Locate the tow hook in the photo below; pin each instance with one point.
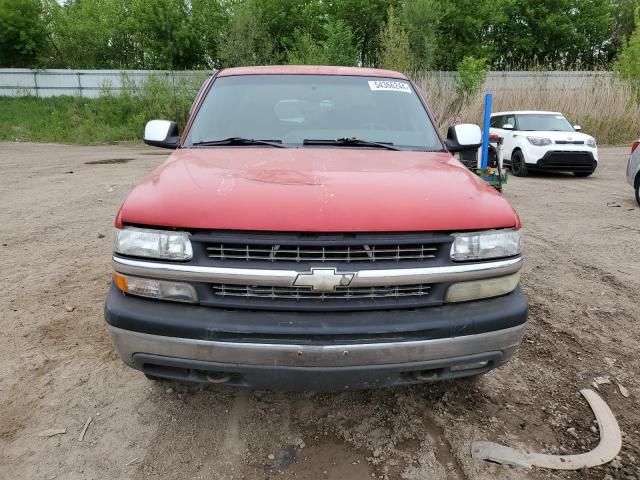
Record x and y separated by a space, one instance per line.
217 377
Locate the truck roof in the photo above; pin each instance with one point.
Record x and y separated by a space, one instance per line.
310 70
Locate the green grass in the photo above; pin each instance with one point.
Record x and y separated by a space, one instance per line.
108 118
60 120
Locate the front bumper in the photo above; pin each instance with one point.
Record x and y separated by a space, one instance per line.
552 157
315 351
571 161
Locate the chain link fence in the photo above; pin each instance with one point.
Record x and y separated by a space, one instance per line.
16 82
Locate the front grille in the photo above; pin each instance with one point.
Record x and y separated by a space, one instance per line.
322 253
301 293
303 251
569 142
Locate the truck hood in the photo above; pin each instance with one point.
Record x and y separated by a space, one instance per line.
315 190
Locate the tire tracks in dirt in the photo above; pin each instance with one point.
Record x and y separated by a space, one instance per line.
233 445
442 448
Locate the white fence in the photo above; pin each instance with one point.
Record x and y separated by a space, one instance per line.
15 82
89 83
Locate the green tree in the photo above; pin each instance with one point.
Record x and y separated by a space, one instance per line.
627 65
166 35
284 19
191 34
210 21
593 21
23 33
421 19
153 34
556 34
271 28
92 34
623 24
306 50
463 28
365 19
394 44
339 46
471 74
247 40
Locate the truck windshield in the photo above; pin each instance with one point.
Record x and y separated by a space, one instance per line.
544 123
313 111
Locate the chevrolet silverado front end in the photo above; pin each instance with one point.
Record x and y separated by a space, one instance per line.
312 231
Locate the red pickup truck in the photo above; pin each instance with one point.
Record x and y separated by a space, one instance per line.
312 231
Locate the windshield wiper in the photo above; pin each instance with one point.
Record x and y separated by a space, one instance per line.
239 141
347 142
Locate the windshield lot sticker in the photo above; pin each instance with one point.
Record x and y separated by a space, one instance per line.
389 85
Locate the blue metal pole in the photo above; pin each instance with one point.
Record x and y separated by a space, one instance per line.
488 99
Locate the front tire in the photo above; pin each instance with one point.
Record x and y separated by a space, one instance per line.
518 165
583 174
638 192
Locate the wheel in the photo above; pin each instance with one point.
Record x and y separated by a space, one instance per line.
638 192
518 165
583 174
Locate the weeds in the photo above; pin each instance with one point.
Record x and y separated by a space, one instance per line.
604 106
109 118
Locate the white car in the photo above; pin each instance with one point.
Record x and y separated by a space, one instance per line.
544 141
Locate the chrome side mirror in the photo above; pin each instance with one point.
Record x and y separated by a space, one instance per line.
162 133
466 136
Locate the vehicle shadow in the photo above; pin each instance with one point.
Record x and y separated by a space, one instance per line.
552 175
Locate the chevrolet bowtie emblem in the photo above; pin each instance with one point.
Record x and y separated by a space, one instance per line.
323 279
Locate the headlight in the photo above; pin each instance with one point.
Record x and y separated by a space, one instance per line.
591 143
158 289
539 141
142 242
486 288
485 244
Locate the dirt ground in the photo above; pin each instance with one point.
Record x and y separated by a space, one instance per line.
58 367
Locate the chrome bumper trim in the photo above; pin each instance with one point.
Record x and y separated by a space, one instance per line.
287 278
128 343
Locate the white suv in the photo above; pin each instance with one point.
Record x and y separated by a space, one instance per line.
544 141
